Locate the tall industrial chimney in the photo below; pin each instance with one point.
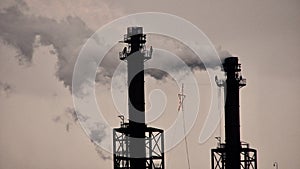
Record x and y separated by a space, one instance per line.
135 145
233 154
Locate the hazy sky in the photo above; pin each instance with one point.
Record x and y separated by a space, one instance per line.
40 41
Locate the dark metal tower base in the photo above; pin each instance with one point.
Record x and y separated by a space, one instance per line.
248 157
154 142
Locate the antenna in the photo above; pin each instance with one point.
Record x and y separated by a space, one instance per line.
122 119
181 97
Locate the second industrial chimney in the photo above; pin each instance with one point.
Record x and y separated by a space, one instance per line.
135 145
233 154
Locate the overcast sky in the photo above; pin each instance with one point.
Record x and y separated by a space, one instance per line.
40 41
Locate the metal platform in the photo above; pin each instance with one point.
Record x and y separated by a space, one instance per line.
248 157
154 141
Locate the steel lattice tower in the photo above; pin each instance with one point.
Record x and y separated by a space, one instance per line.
135 145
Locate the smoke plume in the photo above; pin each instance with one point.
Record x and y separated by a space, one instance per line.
102 154
185 53
98 133
70 117
179 49
66 37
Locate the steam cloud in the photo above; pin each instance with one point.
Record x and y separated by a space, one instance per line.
70 117
97 134
183 52
102 154
66 37
105 72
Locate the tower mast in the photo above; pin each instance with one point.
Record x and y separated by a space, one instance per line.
233 154
135 145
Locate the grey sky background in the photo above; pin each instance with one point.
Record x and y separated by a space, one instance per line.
37 129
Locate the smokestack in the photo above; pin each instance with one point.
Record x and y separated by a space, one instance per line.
232 154
234 82
135 145
136 101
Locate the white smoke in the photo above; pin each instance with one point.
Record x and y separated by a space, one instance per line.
67 36
70 117
185 53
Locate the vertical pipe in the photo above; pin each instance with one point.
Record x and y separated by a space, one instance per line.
162 149
114 148
137 155
136 101
232 117
150 149
212 159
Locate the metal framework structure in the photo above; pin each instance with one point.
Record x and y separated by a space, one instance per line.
154 141
135 145
248 157
232 154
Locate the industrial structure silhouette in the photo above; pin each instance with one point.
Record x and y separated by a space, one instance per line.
137 146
